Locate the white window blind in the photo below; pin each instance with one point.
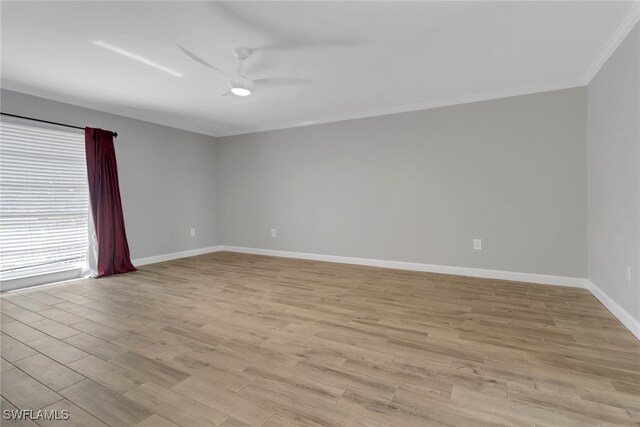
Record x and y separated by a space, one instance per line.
44 201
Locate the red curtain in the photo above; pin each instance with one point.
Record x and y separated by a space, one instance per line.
106 206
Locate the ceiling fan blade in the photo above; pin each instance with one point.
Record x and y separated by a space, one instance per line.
225 94
300 43
232 15
279 39
199 60
282 81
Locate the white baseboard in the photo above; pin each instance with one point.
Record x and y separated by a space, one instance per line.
544 279
627 320
175 255
620 313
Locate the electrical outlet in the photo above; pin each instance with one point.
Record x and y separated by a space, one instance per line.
629 273
274 232
477 244
193 232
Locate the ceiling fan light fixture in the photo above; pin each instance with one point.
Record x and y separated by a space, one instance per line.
240 91
241 86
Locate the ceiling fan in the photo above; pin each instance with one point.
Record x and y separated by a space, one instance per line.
240 85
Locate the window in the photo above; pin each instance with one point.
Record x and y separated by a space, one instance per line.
44 202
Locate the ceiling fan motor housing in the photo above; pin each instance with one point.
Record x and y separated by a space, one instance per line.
242 53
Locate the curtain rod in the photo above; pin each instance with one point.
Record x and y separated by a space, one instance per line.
115 134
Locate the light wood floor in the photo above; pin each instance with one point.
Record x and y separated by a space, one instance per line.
229 339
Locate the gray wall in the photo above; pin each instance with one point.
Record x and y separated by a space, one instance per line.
419 186
167 180
614 175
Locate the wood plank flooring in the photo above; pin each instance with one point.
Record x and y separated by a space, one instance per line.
232 340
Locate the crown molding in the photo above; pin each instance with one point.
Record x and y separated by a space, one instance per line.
630 20
627 24
446 102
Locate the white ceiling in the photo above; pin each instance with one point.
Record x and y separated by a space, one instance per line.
365 58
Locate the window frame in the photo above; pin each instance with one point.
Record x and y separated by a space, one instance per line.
60 272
